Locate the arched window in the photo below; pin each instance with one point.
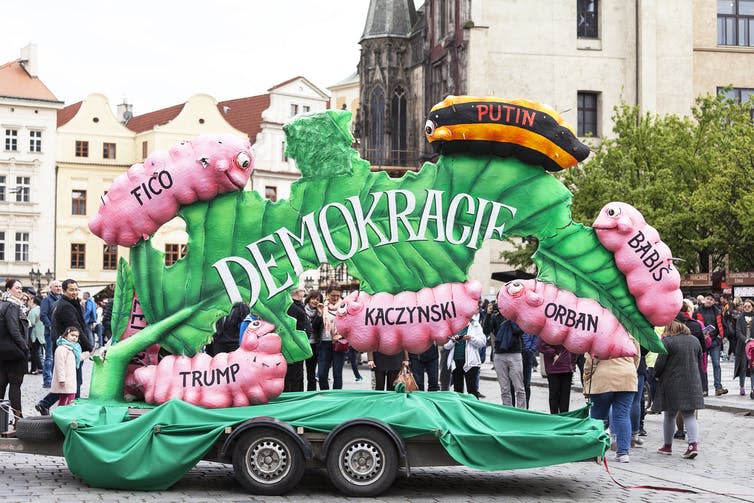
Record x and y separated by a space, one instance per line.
376 152
398 121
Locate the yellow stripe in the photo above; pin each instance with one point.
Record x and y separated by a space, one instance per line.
457 100
511 134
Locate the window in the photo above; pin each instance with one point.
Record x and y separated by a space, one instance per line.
735 22
2 188
11 139
587 112
294 110
23 186
35 141
586 19
737 94
109 257
78 255
271 193
442 18
82 148
78 202
2 245
306 109
377 126
173 252
282 152
144 149
398 135
22 247
108 150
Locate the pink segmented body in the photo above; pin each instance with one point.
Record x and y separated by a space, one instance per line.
252 374
409 320
148 195
644 259
560 317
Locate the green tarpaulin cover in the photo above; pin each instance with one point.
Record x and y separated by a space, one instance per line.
153 451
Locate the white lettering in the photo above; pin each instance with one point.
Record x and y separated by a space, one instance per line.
230 284
450 223
324 225
434 200
264 267
362 221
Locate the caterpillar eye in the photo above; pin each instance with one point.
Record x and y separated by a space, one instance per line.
256 324
243 160
429 128
515 289
613 211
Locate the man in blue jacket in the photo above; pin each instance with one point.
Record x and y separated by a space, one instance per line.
45 314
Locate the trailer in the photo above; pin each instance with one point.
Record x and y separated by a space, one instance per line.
363 439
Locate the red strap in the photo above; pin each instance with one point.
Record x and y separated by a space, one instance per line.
656 488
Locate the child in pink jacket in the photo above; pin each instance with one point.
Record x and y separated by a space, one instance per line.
68 358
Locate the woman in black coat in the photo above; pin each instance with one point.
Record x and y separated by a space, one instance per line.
679 386
14 350
744 332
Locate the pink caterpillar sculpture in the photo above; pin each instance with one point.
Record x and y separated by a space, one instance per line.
559 317
645 260
149 194
252 374
409 320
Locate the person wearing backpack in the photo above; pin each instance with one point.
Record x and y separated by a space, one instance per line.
507 358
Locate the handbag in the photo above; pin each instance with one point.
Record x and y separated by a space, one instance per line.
340 346
406 378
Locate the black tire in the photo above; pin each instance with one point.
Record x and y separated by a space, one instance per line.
362 461
38 429
268 461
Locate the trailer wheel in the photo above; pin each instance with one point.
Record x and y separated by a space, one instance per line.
38 429
267 461
362 461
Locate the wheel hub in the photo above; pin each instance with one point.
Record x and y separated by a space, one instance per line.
268 460
362 462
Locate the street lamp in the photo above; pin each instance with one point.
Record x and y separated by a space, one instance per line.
36 277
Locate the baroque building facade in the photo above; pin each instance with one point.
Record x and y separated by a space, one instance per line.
28 111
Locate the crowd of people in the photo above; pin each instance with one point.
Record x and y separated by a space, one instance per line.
53 335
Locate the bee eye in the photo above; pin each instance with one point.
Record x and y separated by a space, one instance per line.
429 128
243 160
613 211
515 288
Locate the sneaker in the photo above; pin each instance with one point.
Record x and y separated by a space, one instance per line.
705 394
642 432
636 441
479 395
622 457
691 452
680 435
742 392
359 379
42 409
666 449
720 391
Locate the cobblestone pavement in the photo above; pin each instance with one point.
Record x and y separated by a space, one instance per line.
723 466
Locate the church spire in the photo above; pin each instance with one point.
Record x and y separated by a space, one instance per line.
389 18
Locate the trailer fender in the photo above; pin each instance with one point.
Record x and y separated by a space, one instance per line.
267 422
400 445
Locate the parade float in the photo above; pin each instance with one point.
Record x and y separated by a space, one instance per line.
157 404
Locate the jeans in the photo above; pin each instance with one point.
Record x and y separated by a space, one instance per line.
384 380
636 406
353 357
311 368
617 405
509 370
528 357
100 330
327 358
418 368
714 353
47 365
